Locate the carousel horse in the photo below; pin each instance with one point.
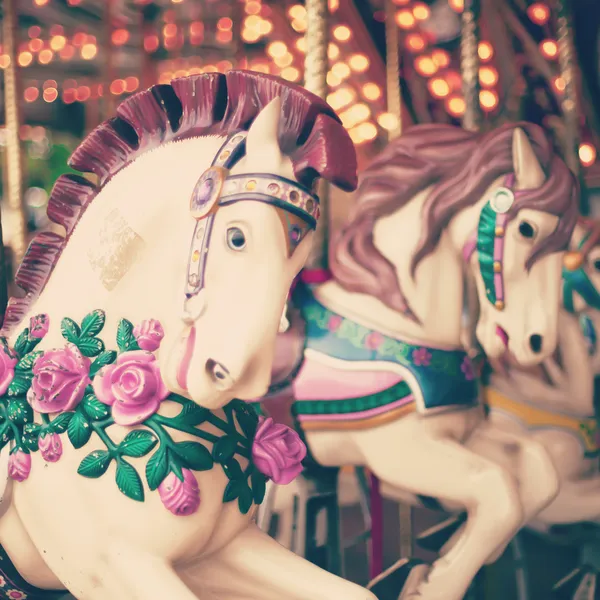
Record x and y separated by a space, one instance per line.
125 366
382 380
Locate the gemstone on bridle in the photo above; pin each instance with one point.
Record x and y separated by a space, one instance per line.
502 200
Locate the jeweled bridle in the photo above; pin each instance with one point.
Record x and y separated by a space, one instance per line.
217 187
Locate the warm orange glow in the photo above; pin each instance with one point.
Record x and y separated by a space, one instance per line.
58 42
359 63
354 115
485 51
401 2
253 7
31 94
415 42
367 131
457 5
559 84
341 70
250 35
388 121
549 48
89 51
260 68
4 61
25 59
342 33
131 84
333 5
117 87
371 91
355 136
276 49
224 24
301 44
40 2
284 61
51 83
196 28
438 87
299 26
45 56
151 43
290 73
36 45
587 154
441 58
224 37
333 80
50 94
341 98
83 93
539 13
119 37
425 66
34 31
79 39
488 100
265 27
333 51
454 80
67 52
456 106
170 30
69 96
297 12
421 11
488 76
405 19
73 2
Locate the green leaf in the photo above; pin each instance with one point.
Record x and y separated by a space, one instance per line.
137 443
224 449
259 486
18 386
61 422
90 346
175 464
19 411
79 430
27 362
232 469
32 429
232 490
192 414
70 330
129 482
124 334
157 468
93 408
30 442
95 464
245 498
93 323
22 343
194 456
247 418
104 358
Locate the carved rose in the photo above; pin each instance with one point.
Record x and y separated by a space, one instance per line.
132 386
59 380
277 451
50 446
19 465
8 362
182 498
149 334
39 325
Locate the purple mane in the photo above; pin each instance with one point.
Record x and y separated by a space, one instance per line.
310 133
459 166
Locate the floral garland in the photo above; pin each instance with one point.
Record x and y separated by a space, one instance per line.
125 388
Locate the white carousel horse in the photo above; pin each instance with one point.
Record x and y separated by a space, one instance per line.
226 159
385 382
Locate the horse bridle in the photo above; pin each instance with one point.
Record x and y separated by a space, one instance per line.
217 187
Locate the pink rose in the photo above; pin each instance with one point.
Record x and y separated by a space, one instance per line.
39 325
277 451
421 357
182 498
59 380
132 386
19 465
8 361
373 340
334 322
51 447
149 334
16 595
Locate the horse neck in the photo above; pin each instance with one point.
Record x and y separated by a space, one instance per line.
128 254
435 293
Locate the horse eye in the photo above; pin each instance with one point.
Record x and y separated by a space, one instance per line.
236 239
597 264
526 230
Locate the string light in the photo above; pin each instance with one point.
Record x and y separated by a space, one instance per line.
342 33
421 11
58 42
290 73
539 13
488 100
341 70
359 63
4 61
24 59
549 48
31 94
50 94
457 5
485 51
89 51
45 56
587 154
425 66
488 76
438 87
559 84
277 49
415 42
440 57
405 19
371 91
456 106
333 51
388 121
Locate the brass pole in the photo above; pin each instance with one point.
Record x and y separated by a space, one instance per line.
109 63
14 170
469 64
316 66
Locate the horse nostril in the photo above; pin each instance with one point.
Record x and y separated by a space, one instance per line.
535 341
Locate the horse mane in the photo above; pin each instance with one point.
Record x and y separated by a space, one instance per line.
459 166
310 133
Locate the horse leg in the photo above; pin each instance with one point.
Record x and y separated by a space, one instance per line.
421 457
577 501
253 566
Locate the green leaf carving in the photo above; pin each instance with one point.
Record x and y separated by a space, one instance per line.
70 330
18 386
224 449
61 422
104 358
30 436
247 418
192 414
93 323
194 456
157 468
93 408
259 486
32 429
232 469
19 411
129 482
22 343
137 443
232 490
245 498
27 362
79 430
124 334
95 464
90 346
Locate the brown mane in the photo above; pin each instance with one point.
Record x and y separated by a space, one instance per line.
460 166
310 134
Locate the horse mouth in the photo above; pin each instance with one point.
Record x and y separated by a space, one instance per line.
501 333
185 358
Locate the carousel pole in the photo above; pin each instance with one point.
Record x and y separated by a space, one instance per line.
316 67
109 65
469 64
14 172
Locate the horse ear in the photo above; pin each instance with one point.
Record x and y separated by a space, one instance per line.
529 174
262 143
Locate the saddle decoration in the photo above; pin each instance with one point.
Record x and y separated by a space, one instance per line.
125 388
